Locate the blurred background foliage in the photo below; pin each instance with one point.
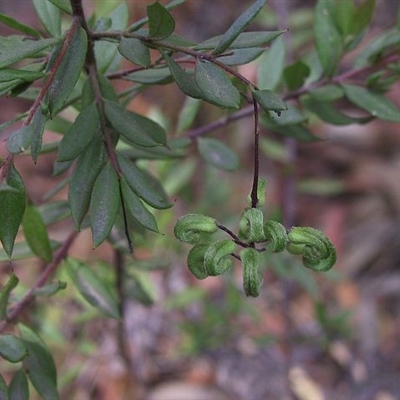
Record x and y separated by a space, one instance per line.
334 336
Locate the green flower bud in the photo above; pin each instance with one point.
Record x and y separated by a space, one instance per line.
276 236
217 258
251 225
190 227
252 279
195 261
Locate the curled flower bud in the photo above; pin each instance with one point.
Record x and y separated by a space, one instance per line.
252 279
195 261
190 227
318 252
251 226
217 258
261 186
276 236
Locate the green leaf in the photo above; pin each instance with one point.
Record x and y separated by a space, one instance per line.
135 128
12 207
104 204
195 261
3 389
22 251
136 208
291 116
134 50
20 139
143 184
106 88
239 26
79 134
38 123
5 292
25 49
328 40
188 114
50 289
19 389
296 74
84 176
36 233
243 41
216 153
184 80
269 101
12 348
217 258
92 288
151 76
9 74
161 22
68 72
242 56
327 93
376 104
63 5
49 16
39 364
217 88
192 228
141 287
360 21
326 112
252 279
271 66
19 26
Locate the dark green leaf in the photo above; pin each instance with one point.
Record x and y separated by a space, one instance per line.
242 56
22 251
239 26
68 72
20 139
326 112
19 26
9 74
37 124
136 208
243 41
296 131
217 154
134 50
5 292
327 93
135 128
140 287
104 204
327 38
106 88
80 134
271 65
376 104
36 233
161 22
19 389
86 171
291 116
12 207
12 348
296 74
92 288
151 76
50 289
3 389
49 16
269 101
63 5
361 19
39 364
187 114
143 184
217 88
25 49
184 80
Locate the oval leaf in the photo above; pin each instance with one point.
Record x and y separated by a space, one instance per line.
92 288
161 22
134 50
135 128
19 389
216 153
20 140
136 208
49 16
36 233
239 26
12 348
143 184
12 23
80 134
68 72
242 56
104 204
217 88
12 208
269 101
39 364
83 178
